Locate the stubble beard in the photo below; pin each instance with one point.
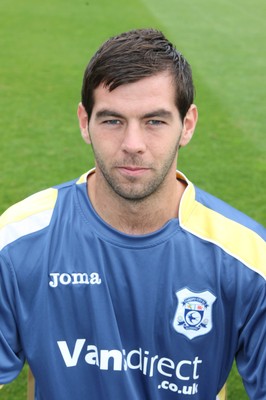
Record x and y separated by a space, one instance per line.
133 191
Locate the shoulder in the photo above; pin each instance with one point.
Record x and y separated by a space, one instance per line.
213 220
31 214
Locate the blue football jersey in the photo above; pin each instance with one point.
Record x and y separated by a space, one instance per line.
99 314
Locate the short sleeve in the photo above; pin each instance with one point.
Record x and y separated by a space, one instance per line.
11 355
251 356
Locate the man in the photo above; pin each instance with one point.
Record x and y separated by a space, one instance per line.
130 282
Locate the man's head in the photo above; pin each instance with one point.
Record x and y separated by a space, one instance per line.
132 56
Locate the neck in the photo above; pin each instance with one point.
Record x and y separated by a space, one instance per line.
136 217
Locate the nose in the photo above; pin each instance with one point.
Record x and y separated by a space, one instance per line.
134 139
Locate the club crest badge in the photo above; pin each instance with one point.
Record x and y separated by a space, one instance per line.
193 316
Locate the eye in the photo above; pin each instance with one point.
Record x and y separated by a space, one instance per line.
155 122
112 122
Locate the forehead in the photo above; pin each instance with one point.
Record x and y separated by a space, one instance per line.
156 91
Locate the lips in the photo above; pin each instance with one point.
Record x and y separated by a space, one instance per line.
132 170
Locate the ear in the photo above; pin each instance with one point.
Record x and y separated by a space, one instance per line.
83 123
189 125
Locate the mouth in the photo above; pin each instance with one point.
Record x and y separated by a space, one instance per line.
133 170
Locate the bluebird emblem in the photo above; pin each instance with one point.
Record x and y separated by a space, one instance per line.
193 316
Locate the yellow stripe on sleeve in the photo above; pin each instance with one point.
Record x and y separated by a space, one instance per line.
222 394
38 202
237 240
28 216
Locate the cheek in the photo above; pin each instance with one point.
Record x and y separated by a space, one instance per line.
166 148
104 147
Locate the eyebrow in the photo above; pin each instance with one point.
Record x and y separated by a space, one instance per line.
160 113
107 113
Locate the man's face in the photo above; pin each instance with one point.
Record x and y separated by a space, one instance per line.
135 132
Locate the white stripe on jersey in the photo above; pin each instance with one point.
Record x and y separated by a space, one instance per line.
33 223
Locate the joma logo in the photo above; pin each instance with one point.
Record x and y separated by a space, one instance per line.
77 278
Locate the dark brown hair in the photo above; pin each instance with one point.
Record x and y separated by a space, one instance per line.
134 55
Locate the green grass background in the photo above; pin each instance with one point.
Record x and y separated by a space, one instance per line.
44 48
